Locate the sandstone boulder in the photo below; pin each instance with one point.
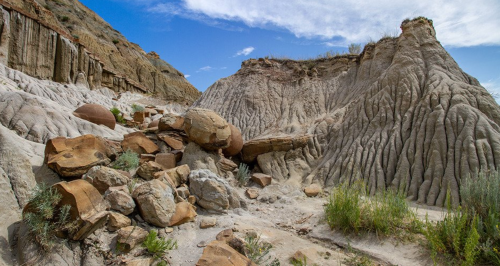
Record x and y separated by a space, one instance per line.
208 222
74 157
102 178
212 192
130 236
220 253
236 143
121 201
156 202
261 179
147 170
252 193
312 190
96 114
253 148
166 160
207 129
139 143
171 121
117 221
184 212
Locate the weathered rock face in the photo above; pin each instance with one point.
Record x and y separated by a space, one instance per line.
139 143
35 42
402 114
236 143
156 202
96 114
207 129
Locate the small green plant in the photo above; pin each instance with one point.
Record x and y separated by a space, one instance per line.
354 48
76 36
127 161
258 251
137 108
158 246
44 219
299 262
65 19
118 115
115 41
243 174
131 185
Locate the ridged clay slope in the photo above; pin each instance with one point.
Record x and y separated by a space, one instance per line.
41 37
402 115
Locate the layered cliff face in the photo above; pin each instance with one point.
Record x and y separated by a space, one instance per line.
66 42
402 114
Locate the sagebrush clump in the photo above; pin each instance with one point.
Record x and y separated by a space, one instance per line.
127 161
243 174
158 246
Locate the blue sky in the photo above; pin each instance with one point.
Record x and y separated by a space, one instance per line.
208 39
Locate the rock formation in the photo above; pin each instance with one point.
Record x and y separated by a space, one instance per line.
402 114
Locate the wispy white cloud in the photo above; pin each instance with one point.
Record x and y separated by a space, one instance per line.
245 51
458 22
209 68
493 87
187 76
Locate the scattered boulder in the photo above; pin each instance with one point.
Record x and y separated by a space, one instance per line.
130 236
102 178
87 206
171 122
312 190
252 193
261 179
156 202
236 143
166 160
220 253
212 192
208 222
184 212
121 201
72 158
117 221
96 114
207 129
139 143
147 170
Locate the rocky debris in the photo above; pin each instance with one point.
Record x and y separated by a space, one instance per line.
156 202
284 193
96 114
197 158
179 175
172 142
255 147
252 193
102 178
207 129
87 206
74 157
208 222
117 220
183 192
147 170
220 253
166 160
236 143
120 200
262 180
191 199
212 192
313 190
226 165
130 236
171 121
139 117
139 143
184 212
146 158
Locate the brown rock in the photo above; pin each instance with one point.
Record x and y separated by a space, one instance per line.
147 158
87 205
236 143
183 192
96 114
148 170
225 235
208 222
139 117
174 143
253 148
207 129
252 193
184 212
226 165
312 190
117 221
166 160
74 157
139 143
156 202
154 124
221 254
261 179
130 236
121 201
192 199
171 122
178 155
179 175
102 178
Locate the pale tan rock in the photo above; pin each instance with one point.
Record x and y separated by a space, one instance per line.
155 201
183 192
171 121
121 201
191 199
252 193
117 220
220 253
226 165
179 175
261 179
130 236
139 143
184 212
102 178
312 190
208 222
147 170
207 129
173 143
166 160
236 143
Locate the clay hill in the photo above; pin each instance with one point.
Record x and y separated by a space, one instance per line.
66 42
401 114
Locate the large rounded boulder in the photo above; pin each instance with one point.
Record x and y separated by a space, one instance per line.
236 143
96 114
207 129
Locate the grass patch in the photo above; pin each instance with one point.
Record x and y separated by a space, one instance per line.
127 161
350 210
243 174
118 115
44 219
258 251
157 246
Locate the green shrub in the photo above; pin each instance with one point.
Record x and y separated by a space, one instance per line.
137 108
65 19
115 41
243 174
158 246
258 251
127 161
350 210
354 48
44 219
118 115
